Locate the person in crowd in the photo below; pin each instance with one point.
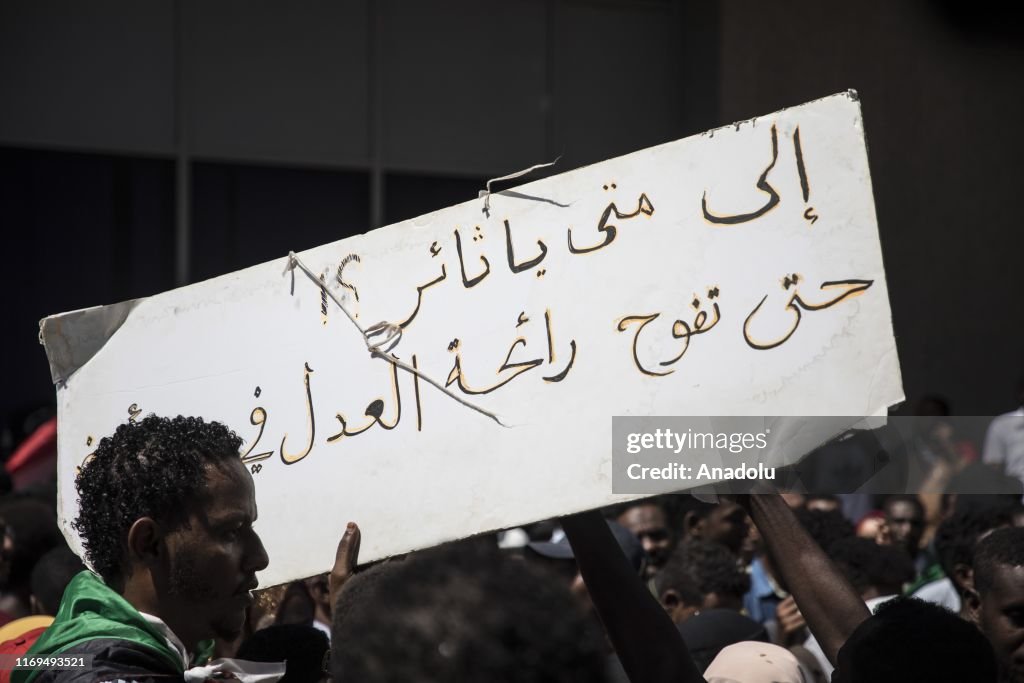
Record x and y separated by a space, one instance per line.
937 457
705 630
825 526
904 523
996 599
649 522
717 572
50 576
955 541
677 591
876 572
1004 440
29 531
297 605
166 519
320 592
696 567
725 523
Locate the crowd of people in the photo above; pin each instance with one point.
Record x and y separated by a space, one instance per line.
755 586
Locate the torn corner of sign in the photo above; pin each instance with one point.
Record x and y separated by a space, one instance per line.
72 338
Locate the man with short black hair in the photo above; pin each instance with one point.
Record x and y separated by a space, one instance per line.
648 522
904 520
166 519
51 576
725 523
717 572
996 601
28 529
955 543
677 590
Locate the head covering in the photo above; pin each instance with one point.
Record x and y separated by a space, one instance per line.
752 662
35 460
710 631
630 544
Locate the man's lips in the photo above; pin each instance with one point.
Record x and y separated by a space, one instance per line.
247 588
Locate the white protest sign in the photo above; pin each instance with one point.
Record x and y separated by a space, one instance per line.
736 272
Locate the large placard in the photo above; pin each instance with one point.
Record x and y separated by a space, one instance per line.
737 272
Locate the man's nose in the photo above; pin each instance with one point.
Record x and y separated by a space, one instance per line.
256 558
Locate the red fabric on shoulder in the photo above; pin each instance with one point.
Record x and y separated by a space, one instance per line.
18 646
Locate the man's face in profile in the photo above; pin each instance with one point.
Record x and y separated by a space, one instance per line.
726 524
212 561
1001 619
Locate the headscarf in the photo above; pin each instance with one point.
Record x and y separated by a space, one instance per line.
753 662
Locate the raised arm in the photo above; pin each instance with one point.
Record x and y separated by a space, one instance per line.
830 605
647 642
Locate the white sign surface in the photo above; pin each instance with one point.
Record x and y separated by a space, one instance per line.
733 273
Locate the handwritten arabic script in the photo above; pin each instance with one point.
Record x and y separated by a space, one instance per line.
385 412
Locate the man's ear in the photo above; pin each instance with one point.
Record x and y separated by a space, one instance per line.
670 599
692 524
144 541
972 605
963 576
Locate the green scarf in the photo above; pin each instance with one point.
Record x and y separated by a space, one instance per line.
91 610
932 572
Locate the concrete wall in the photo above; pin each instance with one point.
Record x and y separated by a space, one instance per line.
940 84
